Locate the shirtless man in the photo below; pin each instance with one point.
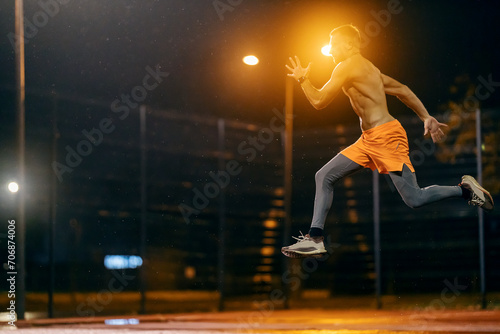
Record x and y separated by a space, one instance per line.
383 144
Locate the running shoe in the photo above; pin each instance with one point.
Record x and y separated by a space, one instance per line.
478 195
306 246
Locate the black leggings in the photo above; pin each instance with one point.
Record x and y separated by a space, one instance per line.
404 181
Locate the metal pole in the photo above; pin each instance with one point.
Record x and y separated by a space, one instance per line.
144 204
288 173
376 223
222 214
480 213
53 213
21 220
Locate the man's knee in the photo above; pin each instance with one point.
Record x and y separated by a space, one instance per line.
319 176
413 202
323 178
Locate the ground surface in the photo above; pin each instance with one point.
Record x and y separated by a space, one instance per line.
276 321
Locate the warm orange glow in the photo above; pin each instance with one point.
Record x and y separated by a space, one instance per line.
326 50
264 268
268 241
267 251
259 278
251 60
190 272
270 223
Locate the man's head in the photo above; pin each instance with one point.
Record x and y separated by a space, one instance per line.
344 42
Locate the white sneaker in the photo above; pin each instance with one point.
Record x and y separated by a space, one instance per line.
306 246
478 195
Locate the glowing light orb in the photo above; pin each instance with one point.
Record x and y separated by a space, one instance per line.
13 187
251 60
326 50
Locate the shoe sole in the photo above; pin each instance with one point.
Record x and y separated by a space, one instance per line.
295 255
487 196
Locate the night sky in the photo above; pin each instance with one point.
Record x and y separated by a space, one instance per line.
100 50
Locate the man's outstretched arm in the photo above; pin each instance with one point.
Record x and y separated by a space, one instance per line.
319 98
406 95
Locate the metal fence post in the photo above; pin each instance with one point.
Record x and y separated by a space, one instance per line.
376 246
222 214
53 214
480 213
144 204
288 136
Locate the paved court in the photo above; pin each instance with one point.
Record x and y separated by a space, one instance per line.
277 321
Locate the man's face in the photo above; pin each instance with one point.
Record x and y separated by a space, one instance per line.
338 48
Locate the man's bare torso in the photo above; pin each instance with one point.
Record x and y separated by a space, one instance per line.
365 90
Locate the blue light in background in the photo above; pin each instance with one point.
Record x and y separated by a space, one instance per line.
119 322
122 261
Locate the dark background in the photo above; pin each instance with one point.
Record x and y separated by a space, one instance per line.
100 49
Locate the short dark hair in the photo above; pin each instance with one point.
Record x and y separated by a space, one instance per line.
349 31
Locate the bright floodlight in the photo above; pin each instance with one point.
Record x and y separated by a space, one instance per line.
251 60
13 187
326 50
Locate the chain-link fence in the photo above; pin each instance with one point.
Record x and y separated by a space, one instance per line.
200 201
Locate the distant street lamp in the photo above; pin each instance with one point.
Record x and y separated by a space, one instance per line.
13 187
251 60
326 50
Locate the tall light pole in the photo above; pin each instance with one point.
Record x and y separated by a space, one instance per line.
480 213
144 206
288 168
20 221
288 163
376 237
221 148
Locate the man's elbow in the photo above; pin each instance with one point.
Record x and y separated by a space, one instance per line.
405 92
319 104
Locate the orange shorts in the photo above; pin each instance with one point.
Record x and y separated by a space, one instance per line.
384 147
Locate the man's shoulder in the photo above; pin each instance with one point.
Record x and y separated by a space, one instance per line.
358 67
357 62
367 62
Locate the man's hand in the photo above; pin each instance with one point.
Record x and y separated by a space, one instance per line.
432 126
297 70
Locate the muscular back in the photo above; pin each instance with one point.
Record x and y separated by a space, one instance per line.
365 88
